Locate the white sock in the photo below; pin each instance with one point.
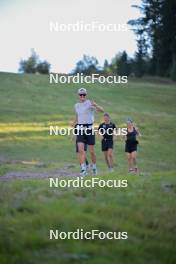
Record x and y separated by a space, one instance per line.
83 167
94 166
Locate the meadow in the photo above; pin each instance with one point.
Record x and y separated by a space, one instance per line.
146 209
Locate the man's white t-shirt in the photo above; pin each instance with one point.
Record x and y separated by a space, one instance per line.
85 112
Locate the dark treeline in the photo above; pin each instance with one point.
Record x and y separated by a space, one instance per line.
121 64
156 45
156 38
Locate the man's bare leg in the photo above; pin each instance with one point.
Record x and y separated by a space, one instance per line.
81 156
92 154
81 152
93 159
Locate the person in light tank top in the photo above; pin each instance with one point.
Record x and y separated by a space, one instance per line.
84 110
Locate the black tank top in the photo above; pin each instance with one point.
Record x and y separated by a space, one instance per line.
131 136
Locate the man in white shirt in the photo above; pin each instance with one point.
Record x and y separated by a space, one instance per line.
84 120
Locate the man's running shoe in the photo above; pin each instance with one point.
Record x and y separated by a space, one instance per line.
83 173
87 167
94 171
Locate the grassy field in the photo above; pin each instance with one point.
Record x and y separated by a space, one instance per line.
146 209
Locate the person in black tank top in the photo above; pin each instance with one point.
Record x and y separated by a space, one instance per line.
131 144
106 132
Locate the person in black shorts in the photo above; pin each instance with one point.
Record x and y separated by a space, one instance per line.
131 145
84 119
106 131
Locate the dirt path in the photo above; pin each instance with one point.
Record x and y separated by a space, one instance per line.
38 175
66 171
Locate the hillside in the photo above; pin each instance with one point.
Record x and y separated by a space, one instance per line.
146 209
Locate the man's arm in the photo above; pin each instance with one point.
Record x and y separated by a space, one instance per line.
75 121
97 107
99 134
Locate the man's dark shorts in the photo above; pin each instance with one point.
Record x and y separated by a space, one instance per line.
86 137
106 144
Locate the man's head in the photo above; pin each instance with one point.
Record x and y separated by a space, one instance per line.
106 117
82 92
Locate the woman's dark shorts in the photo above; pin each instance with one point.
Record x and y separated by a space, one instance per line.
106 144
131 147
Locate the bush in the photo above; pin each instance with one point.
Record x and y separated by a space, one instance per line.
34 65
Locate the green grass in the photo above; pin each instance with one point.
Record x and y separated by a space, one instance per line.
29 208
